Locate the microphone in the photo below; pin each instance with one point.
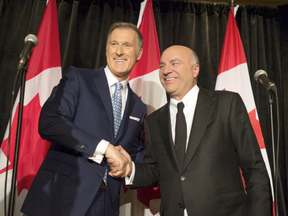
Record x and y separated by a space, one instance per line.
262 77
30 42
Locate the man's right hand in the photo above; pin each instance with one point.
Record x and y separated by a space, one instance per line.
119 161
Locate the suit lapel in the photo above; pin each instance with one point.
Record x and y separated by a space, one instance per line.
128 110
164 127
199 125
101 83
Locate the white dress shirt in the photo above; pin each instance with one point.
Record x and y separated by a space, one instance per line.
103 144
189 100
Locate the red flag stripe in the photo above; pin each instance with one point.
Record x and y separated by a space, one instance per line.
48 43
151 54
232 39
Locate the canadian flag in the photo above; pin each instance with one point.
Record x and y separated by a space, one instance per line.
144 78
233 76
145 82
44 72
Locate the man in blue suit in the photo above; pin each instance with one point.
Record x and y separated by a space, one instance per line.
78 120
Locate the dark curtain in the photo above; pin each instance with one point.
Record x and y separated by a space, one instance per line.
83 26
198 26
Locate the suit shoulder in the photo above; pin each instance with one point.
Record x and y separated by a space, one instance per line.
221 94
138 102
220 97
82 71
158 112
137 99
229 95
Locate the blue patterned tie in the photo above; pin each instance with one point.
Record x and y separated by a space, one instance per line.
117 107
117 110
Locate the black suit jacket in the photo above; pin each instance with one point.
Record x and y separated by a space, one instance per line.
77 115
209 183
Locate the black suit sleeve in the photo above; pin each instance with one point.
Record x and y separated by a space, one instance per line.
147 174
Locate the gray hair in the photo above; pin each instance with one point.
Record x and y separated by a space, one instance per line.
125 25
195 59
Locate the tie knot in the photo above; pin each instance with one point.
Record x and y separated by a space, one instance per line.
180 106
118 86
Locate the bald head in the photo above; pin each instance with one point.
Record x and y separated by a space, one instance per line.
179 68
183 51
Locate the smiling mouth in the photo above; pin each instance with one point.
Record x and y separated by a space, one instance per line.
169 79
120 60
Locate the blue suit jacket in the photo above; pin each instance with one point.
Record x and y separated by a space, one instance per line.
75 118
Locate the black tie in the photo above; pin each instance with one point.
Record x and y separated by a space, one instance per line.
180 134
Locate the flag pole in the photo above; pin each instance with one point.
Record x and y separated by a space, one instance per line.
232 5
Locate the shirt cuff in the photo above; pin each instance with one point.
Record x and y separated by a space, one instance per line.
99 151
129 180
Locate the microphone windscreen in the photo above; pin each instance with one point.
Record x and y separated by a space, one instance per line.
32 38
258 73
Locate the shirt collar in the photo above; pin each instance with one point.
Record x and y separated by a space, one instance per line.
189 99
112 80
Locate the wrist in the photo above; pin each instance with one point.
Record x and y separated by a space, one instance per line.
108 149
131 166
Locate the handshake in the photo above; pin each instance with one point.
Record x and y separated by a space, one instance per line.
119 161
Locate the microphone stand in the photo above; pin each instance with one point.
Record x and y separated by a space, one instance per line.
275 169
23 72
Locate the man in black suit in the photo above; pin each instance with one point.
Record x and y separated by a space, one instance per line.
204 178
79 119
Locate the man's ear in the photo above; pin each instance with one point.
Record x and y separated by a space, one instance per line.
139 54
196 69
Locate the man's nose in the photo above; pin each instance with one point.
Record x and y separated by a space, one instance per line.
167 69
119 50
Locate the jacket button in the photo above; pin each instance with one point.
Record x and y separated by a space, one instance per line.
183 178
180 205
101 174
80 146
83 147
